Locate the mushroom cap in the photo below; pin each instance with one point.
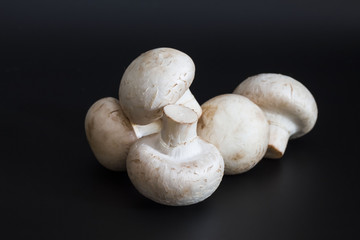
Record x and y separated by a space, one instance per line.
238 128
153 80
174 181
280 95
109 133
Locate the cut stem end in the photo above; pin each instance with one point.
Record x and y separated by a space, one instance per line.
278 140
179 125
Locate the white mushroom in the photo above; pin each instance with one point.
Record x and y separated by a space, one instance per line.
288 105
110 133
153 80
175 167
238 128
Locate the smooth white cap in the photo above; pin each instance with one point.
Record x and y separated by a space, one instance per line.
156 78
238 128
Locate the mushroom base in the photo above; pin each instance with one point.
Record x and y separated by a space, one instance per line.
174 181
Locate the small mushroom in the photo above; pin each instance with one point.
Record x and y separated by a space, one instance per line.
238 128
288 105
153 80
175 167
110 133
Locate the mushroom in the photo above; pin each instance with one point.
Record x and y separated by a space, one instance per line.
175 167
288 105
238 128
155 79
110 133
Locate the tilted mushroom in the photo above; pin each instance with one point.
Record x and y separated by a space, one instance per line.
238 128
110 133
155 79
175 167
288 105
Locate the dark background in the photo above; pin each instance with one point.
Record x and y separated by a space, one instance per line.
59 57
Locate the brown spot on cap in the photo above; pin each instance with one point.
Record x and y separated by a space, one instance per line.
137 161
209 112
201 124
237 156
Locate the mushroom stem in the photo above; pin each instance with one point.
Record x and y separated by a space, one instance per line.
179 126
148 129
277 142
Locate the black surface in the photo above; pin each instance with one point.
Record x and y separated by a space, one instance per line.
59 57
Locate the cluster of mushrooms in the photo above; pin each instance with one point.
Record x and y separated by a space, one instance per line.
174 150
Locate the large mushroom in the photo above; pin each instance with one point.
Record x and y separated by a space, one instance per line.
238 128
110 133
157 78
288 105
175 167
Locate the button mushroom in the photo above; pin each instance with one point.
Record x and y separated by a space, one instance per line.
238 128
155 79
110 133
288 105
175 167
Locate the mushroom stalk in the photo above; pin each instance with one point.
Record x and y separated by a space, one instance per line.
178 132
278 140
178 129
148 129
